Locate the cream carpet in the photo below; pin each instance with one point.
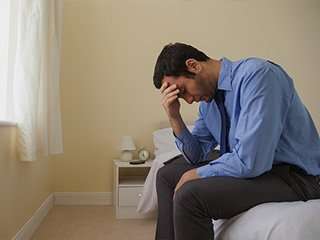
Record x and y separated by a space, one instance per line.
92 223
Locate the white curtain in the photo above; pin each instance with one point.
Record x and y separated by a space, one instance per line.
33 99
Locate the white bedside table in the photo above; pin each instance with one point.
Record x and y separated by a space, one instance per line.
128 183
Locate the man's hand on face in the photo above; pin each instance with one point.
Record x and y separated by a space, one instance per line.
170 100
187 176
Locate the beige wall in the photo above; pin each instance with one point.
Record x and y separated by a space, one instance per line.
23 185
109 50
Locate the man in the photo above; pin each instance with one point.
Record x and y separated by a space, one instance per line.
269 146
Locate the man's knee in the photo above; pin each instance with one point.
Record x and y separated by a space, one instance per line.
186 196
170 173
162 175
195 197
162 172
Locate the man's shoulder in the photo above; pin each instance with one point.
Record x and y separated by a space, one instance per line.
246 69
249 65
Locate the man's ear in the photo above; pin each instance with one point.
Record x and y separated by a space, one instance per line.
193 65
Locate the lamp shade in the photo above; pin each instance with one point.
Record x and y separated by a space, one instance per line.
127 144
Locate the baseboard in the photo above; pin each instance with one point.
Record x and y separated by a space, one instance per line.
33 223
83 198
61 198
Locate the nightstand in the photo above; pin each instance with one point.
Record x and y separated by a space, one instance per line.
128 182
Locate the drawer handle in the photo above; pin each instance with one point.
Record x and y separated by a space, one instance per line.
140 195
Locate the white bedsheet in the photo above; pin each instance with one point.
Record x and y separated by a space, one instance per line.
273 221
148 202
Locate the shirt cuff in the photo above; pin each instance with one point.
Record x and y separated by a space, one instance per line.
206 171
183 136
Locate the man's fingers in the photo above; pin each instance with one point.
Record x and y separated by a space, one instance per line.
169 89
170 100
163 86
170 94
177 187
179 184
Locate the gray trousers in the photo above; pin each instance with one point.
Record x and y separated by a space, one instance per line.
189 215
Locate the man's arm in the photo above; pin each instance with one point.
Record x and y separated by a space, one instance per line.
264 105
194 146
171 105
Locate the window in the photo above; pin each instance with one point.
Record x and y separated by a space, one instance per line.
29 74
4 57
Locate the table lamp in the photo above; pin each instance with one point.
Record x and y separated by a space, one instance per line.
126 147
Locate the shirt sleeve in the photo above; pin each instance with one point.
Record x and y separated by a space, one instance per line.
196 146
263 109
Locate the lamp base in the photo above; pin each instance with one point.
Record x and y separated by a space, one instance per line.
126 156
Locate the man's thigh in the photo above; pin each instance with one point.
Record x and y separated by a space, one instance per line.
224 197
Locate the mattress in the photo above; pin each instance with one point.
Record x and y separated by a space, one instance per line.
273 221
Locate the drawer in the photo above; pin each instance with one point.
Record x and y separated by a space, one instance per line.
129 196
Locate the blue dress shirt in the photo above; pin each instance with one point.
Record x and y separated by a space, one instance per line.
268 124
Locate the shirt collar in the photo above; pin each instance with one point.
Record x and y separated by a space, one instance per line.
224 81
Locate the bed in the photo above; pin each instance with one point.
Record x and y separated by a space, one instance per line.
269 221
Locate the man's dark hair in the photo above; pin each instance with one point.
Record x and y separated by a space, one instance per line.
172 61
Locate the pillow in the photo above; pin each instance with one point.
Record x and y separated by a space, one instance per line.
164 140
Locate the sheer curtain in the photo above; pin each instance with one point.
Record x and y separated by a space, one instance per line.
4 43
32 99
